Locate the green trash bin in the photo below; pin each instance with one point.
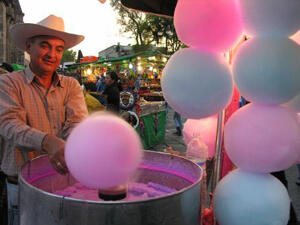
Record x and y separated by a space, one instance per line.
152 128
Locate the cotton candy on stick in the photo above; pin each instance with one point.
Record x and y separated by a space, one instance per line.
213 25
262 138
267 70
103 151
196 83
251 199
270 18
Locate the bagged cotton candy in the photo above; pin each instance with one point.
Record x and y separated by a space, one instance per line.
243 198
197 84
262 139
270 17
196 148
211 25
267 70
205 129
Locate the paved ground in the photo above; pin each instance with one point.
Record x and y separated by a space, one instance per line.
177 143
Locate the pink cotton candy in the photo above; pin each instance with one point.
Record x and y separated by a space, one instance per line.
103 151
262 138
205 129
208 24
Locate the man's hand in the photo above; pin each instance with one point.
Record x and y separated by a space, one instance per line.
55 147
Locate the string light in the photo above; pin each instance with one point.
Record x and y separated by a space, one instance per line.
140 68
89 71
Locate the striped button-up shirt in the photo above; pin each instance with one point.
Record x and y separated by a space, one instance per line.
29 111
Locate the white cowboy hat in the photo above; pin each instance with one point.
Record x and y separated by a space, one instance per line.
50 26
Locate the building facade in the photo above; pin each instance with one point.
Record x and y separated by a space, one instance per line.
10 14
115 51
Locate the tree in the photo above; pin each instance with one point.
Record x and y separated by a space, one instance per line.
147 29
130 21
68 56
163 33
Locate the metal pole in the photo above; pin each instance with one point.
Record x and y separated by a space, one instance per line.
218 155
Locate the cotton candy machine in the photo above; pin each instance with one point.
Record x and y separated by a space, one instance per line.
40 206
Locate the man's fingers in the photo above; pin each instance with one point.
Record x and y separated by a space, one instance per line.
64 166
63 163
60 167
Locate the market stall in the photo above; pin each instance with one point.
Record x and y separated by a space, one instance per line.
139 75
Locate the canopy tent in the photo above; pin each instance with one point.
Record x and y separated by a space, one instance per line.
158 7
127 57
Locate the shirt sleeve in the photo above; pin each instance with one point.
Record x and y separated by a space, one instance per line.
13 118
76 109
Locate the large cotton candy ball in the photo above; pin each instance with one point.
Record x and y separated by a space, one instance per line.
205 129
270 17
243 198
197 84
294 104
214 25
267 70
103 151
262 139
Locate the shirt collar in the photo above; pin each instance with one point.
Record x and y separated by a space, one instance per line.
57 81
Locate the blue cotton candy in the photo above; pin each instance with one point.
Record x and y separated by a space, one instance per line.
243 198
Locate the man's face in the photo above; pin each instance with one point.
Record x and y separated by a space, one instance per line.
45 53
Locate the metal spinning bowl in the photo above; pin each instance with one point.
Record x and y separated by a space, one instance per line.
39 206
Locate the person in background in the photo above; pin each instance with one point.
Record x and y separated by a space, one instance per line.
38 107
178 123
137 84
112 92
100 84
100 87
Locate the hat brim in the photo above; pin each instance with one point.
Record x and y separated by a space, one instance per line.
20 33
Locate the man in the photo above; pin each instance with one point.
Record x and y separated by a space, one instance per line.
3 194
38 107
100 84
